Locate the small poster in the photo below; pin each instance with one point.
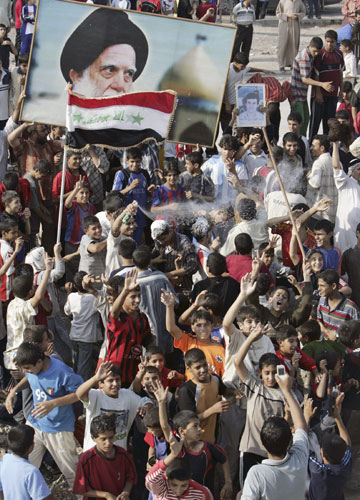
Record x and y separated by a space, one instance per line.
250 101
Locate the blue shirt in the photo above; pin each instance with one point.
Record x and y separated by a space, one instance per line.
138 194
20 480
331 258
56 381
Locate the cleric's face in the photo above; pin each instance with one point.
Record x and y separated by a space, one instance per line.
110 74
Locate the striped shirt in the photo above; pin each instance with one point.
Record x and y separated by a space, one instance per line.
345 310
274 90
243 16
302 68
157 483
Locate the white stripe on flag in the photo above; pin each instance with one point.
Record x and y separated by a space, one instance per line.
121 117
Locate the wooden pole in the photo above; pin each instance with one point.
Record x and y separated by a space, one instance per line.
284 195
61 199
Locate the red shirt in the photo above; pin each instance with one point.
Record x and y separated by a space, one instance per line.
284 229
70 181
172 383
329 67
96 472
305 362
125 339
239 265
202 10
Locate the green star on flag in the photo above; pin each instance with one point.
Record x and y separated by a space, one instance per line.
77 117
137 118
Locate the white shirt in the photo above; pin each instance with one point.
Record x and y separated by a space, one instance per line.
233 78
124 407
256 228
280 479
85 326
20 314
348 210
4 146
215 169
322 183
104 222
350 67
276 206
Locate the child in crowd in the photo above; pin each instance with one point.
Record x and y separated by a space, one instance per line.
350 72
8 256
324 239
107 470
18 477
168 196
128 329
77 208
134 183
154 437
201 325
198 187
110 399
85 332
92 247
53 386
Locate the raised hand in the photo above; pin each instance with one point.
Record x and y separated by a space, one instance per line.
49 262
247 285
130 280
199 299
168 299
159 392
323 205
19 242
175 445
104 371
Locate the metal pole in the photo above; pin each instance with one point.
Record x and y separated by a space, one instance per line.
61 199
285 196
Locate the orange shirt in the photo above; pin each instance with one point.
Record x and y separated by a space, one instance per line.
214 353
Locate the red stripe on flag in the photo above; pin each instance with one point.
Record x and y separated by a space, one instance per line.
160 101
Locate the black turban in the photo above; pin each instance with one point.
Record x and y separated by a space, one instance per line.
102 29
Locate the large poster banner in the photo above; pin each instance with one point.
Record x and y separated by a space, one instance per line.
105 52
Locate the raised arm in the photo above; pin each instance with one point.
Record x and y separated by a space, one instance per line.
129 285
41 289
82 392
285 383
239 360
340 424
186 315
248 286
161 396
168 299
73 193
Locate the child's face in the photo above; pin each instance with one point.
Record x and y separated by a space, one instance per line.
14 206
288 346
316 262
248 325
190 167
156 360
343 49
104 441
304 339
128 228
346 96
23 68
268 258
294 126
325 290
111 295
322 237
10 235
148 380
94 231
279 301
34 369
134 164
337 368
202 329
357 17
193 431
83 195
330 44
268 373
178 487
199 370
156 431
73 162
291 148
111 385
172 178
3 33
132 301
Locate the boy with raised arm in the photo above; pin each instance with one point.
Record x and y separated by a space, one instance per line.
264 399
283 474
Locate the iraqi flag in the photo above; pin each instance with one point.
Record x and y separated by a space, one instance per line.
120 121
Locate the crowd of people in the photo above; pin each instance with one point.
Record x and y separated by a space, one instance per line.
195 338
